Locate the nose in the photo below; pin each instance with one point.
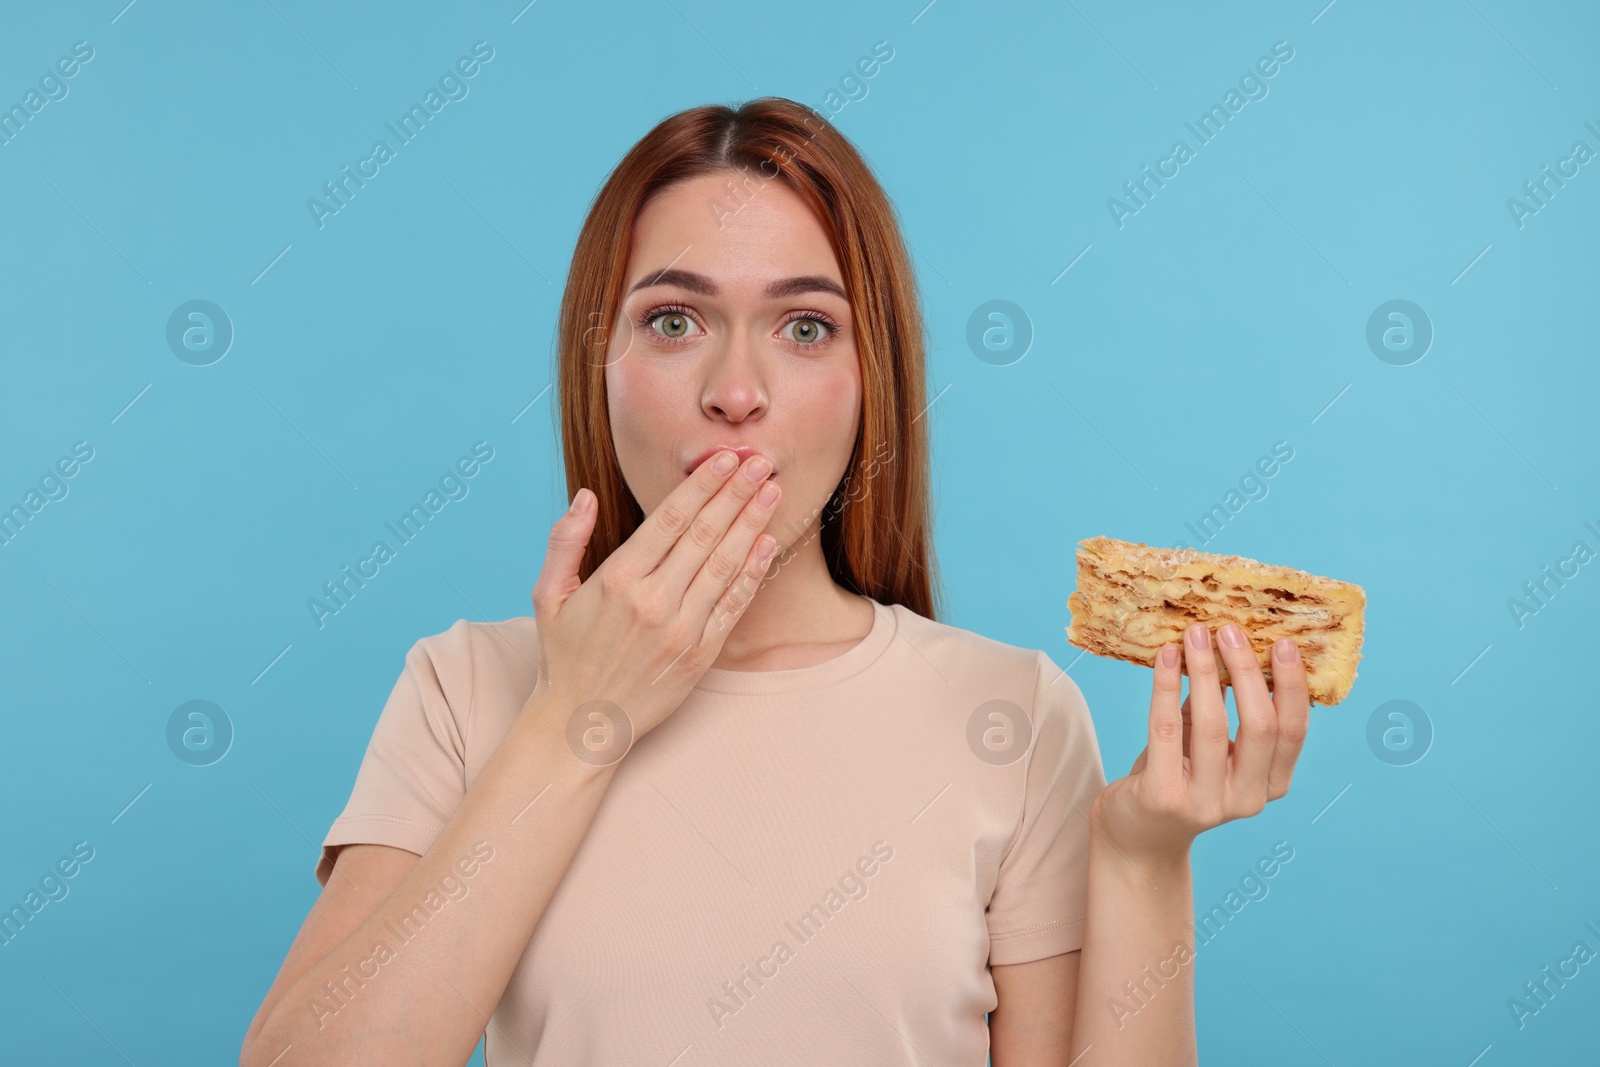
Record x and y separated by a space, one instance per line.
734 388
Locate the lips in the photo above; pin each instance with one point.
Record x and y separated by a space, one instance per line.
744 452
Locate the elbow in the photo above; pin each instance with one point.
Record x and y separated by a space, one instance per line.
252 1051
248 1054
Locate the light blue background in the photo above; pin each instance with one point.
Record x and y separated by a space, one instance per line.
1228 314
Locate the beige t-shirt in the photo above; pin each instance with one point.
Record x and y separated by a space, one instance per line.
800 866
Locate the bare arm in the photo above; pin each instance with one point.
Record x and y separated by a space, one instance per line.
1076 1004
362 878
1079 1003
1128 996
428 1002
1032 1019
411 975
1135 1001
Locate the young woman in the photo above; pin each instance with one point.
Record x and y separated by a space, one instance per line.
732 794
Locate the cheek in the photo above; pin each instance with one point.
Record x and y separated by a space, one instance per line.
832 417
616 403
645 428
630 423
838 401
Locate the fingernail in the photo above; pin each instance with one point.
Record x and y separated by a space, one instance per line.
1285 650
724 462
1169 655
1198 637
580 503
764 547
768 494
1232 636
758 469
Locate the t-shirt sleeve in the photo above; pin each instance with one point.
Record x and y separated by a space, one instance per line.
413 776
1037 907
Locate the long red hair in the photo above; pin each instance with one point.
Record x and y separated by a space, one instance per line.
876 528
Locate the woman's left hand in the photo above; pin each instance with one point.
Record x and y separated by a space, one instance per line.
1191 777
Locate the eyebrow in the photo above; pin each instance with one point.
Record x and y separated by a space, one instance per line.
699 283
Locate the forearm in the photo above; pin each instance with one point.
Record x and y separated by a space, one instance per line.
363 1004
1135 1000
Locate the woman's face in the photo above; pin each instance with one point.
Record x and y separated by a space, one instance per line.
734 331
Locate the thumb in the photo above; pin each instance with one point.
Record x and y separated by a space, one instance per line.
569 537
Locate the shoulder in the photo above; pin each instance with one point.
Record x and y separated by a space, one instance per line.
952 649
930 633
471 660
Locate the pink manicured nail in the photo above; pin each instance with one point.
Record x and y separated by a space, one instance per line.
1199 637
1285 650
1169 655
1231 636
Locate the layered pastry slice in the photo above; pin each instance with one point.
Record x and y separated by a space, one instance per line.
1132 598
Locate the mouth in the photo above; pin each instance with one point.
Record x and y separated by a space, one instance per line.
744 452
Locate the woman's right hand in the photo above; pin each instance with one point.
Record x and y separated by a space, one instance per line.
653 616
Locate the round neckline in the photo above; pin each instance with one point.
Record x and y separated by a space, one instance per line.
853 660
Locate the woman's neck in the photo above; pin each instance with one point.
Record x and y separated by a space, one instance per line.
799 616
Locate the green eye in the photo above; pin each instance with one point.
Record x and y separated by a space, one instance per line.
675 323
809 329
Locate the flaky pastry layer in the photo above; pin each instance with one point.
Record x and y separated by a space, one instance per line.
1132 599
